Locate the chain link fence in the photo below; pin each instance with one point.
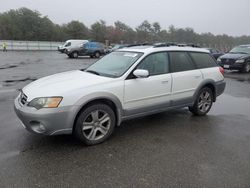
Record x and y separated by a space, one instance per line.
30 45
51 45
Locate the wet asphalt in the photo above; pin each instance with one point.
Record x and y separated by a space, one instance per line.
171 149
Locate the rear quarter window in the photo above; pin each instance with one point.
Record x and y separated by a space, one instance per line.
203 60
180 61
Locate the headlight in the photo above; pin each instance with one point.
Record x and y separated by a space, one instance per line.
45 102
219 59
240 61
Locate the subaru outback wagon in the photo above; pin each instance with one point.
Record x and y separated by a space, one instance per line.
125 84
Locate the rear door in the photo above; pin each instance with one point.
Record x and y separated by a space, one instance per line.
207 65
147 94
186 77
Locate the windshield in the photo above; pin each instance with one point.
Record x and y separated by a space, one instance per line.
67 44
241 49
114 64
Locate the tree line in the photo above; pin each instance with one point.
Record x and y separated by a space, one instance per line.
26 24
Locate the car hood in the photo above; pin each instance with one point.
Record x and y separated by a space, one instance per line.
59 84
234 56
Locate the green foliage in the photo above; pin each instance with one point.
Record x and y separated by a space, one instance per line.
76 30
99 31
25 24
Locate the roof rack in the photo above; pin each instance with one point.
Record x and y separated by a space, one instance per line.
140 44
167 44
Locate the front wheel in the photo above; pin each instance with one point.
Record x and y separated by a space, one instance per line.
203 102
246 67
75 55
95 124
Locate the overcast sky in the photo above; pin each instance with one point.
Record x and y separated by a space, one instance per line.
216 16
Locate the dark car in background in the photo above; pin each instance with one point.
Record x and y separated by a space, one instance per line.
215 53
92 49
117 47
237 59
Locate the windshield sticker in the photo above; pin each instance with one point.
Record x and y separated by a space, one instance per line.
130 55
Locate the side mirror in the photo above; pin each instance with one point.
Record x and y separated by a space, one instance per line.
141 73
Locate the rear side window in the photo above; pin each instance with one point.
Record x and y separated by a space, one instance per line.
203 60
180 61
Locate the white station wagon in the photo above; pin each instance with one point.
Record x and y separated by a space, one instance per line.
125 84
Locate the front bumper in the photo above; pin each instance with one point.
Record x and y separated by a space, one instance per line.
46 121
235 66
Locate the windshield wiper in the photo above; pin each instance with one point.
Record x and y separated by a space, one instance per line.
92 71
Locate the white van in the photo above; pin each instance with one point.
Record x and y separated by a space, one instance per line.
70 43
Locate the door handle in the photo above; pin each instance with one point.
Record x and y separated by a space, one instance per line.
197 76
164 82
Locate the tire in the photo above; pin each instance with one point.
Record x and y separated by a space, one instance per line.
203 102
75 55
97 54
95 124
246 67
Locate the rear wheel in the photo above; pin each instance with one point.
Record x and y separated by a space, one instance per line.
97 54
203 102
95 124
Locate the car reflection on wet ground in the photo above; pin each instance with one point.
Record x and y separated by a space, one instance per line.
171 149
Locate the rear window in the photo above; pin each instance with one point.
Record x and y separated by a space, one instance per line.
180 61
203 60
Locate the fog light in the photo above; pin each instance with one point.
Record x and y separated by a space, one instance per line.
42 128
37 127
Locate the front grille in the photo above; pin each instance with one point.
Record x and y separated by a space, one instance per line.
23 98
227 61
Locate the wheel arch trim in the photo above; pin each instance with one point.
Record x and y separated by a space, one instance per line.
203 84
81 103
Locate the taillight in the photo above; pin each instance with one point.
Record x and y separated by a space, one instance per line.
222 71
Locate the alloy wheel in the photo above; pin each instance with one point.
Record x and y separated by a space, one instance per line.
205 101
96 125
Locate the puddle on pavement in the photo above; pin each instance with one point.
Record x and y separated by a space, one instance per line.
241 77
8 83
20 80
8 155
244 80
227 104
8 67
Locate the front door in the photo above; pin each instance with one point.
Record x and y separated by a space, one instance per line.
148 94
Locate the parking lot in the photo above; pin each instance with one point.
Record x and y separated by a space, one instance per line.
171 149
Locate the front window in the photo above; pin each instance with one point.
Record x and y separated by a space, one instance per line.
156 64
114 64
241 50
